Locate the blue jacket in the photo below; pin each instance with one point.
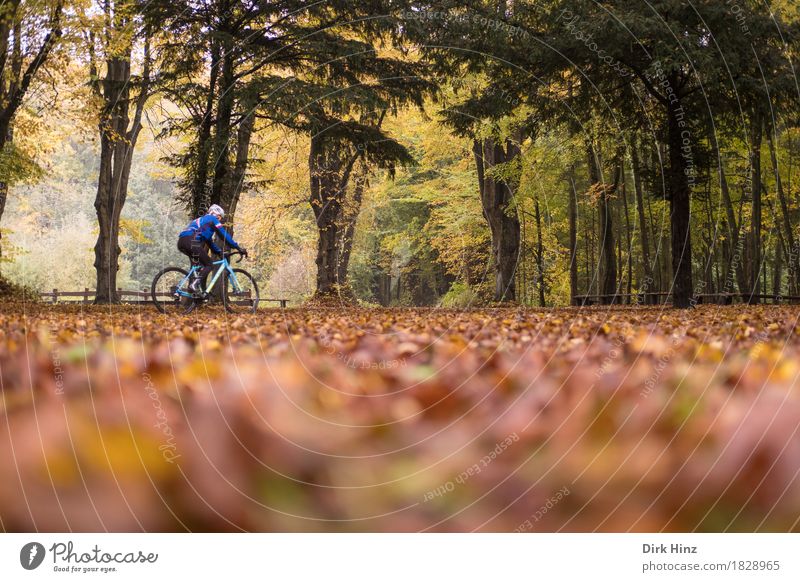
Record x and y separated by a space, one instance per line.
203 228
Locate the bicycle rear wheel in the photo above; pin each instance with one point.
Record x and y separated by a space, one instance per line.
164 292
241 297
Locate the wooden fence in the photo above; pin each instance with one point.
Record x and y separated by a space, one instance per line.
663 297
144 296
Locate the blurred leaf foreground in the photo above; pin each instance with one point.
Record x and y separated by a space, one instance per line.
605 419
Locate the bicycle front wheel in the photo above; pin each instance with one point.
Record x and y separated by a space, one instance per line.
240 292
165 295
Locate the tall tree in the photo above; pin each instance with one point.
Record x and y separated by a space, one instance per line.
499 210
317 69
469 55
603 193
123 97
335 153
648 280
572 213
29 31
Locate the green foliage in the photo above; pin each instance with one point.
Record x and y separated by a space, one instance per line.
459 296
424 229
17 166
10 291
53 230
339 71
323 69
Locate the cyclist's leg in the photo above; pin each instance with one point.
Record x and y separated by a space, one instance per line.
189 247
185 247
200 256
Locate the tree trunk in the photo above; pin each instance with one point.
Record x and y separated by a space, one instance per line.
573 237
3 198
777 271
347 233
222 134
788 234
329 170
618 242
200 193
521 274
648 281
327 258
117 142
628 235
233 191
112 183
587 241
680 201
593 273
709 241
755 185
658 285
326 204
607 259
608 262
496 200
539 252
735 261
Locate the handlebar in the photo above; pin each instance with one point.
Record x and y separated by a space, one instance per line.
229 254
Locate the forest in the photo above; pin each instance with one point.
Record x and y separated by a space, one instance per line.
540 157
510 258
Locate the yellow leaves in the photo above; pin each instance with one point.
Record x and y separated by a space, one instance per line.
711 352
329 398
785 371
213 345
118 450
134 230
60 466
744 331
199 373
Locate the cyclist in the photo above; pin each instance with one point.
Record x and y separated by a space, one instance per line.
193 240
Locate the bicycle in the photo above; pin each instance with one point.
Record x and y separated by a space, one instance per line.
171 293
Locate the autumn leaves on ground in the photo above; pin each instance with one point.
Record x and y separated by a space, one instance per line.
607 419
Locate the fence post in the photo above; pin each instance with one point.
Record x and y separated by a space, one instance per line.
85 295
55 295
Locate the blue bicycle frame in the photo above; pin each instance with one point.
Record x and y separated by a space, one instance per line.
225 266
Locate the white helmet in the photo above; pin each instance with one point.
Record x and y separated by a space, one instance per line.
217 211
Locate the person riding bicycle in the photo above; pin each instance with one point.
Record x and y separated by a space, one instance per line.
199 234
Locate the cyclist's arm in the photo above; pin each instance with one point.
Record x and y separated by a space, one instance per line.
209 240
224 234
